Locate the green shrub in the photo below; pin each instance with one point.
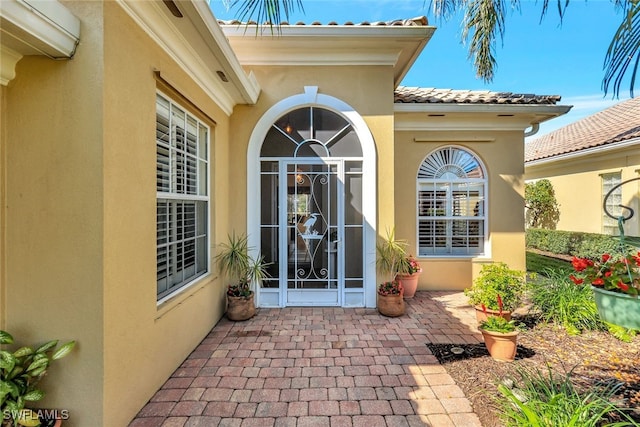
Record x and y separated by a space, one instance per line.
560 301
583 245
497 279
537 399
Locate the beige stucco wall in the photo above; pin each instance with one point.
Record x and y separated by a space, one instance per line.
369 90
502 153
578 188
80 246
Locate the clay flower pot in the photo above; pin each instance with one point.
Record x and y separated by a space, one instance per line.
409 283
391 305
501 346
240 308
481 315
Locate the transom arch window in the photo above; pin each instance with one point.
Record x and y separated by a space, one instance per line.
452 187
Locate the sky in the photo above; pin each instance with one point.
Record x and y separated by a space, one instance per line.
549 57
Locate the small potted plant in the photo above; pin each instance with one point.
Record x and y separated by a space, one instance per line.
243 272
408 274
20 373
500 336
496 279
390 292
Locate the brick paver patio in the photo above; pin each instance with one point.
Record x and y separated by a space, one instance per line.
322 367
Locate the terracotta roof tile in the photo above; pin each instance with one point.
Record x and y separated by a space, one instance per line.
419 21
615 124
419 95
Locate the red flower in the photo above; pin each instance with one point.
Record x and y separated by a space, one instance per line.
607 273
598 282
575 280
623 286
500 303
606 257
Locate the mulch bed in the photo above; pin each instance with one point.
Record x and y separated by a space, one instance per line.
594 357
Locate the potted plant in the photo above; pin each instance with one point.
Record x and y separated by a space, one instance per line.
500 336
615 282
390 292
20 373
242 271
496 279
408 274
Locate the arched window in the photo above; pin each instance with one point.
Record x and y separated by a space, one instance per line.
451 204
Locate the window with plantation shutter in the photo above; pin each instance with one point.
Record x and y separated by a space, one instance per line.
182 162
451 204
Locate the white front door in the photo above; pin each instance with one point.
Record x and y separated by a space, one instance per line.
311 228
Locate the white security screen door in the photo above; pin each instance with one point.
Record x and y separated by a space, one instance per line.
312 226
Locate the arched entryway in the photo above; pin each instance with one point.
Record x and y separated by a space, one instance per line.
311 203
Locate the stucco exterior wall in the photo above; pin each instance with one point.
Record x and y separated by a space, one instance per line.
502 153
142 340
578 188
369 90
54 218
78 164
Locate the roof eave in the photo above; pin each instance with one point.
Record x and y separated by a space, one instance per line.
600 149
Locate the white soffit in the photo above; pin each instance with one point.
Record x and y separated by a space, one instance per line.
35 27
317 45
196 42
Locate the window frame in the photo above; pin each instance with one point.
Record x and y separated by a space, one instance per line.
609 224
451 187
179 193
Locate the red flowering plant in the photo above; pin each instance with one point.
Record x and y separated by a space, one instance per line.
497 323
409 265
390 288
620 275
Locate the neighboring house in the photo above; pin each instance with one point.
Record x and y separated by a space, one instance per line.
587 159
125 166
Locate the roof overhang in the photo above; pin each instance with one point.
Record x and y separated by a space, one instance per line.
585 153
35 27
196 42
314 45
452 117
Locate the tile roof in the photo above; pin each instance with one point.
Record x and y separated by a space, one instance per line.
419 21
615 124
419 95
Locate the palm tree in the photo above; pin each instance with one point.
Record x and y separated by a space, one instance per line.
483 22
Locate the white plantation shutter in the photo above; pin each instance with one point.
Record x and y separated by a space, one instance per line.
182 197
451 200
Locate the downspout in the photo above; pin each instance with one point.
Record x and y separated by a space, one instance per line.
535 127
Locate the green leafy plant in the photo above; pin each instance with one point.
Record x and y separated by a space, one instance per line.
534 398
497 279
242 270
391 254
497 323
557 300
20 374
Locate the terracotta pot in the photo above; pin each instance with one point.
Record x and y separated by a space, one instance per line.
481 316
240 308
391 305
501 347
409 283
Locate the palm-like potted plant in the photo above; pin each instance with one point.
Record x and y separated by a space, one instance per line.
391 252
20 373
500 335
496 279
243 272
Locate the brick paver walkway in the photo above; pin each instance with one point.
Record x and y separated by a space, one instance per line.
324 367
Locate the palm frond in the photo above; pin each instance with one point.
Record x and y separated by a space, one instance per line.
268 12
624 50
